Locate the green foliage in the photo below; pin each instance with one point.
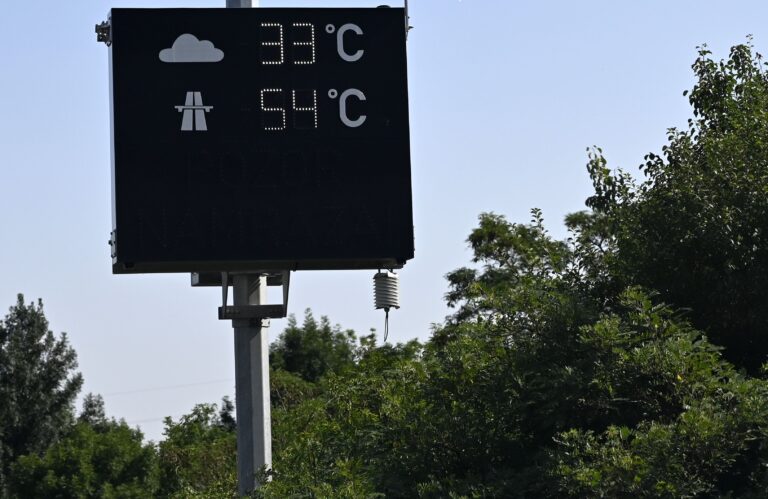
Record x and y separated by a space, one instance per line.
38 384
93 411
226 414
95 458
198 456
288 390
108 463
511 256
313 349
539 352
557 374
543 384
335 445
715 447
696 229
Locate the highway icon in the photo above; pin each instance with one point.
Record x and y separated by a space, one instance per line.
193 113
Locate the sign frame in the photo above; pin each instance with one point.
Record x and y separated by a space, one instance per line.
373 224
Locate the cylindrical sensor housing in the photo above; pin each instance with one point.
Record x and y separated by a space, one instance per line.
386 288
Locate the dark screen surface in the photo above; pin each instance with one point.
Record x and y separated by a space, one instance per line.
259 139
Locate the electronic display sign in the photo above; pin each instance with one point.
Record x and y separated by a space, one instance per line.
259 139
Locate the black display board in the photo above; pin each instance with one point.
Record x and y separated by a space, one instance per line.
259 139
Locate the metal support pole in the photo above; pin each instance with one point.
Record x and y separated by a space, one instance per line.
236 4
254 425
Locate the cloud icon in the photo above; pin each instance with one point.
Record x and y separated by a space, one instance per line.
187 48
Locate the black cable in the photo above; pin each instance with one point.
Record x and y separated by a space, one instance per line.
386 324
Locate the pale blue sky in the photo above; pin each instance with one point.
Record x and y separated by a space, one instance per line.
504 96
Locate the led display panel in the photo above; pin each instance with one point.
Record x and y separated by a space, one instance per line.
259 139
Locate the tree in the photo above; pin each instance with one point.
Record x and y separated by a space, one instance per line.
93 412
96 457
534 389
288 390
313 349
227 414
88 463
38 384
344 441
536 350
696 229
198 456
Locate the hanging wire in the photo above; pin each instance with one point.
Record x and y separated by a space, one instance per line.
386 324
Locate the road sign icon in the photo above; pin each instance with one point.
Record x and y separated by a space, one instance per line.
193 117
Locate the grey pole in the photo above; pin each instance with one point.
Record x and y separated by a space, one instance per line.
235 4
254 424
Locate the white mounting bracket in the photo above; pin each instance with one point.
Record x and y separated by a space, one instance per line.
251 311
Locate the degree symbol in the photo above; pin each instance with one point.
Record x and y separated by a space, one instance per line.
332 93
330 28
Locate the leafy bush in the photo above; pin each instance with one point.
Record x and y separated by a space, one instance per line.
110 461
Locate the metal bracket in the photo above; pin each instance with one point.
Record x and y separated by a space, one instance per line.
252 312
113 243
104 33
408 26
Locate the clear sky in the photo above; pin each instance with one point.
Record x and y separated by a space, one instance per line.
504 97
